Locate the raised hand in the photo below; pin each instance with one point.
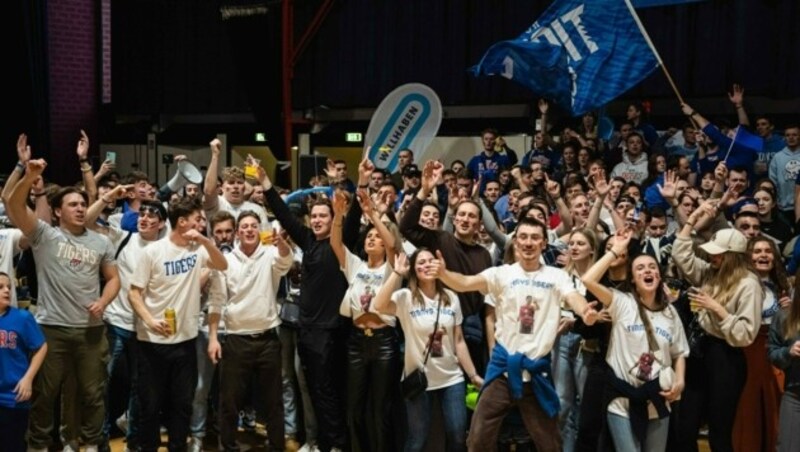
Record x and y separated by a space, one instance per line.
622 239
552 187
669 187
737 95
339 203
23 150
36 167
83 146
216 147
330 170
601 184
365 170
543 106
402 265
721 172
366 203
436 266
687 109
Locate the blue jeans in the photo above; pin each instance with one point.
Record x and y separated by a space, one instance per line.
454 412
621 432
569 376
122 345
205 375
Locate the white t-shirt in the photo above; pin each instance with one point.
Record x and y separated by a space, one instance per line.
223 204
770 307
417 321
9 247
629 353
527 306
364 284
170 277
120 312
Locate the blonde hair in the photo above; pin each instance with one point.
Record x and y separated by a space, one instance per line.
232 173
591 237
724 281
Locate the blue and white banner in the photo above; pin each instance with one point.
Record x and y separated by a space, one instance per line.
649 3
408 118
580 53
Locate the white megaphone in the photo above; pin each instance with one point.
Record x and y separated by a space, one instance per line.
186 174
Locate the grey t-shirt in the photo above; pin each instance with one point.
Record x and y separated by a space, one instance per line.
68 270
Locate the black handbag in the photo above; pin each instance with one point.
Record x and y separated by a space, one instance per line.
416 382
696 337
290 310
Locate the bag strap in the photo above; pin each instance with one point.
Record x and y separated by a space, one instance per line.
429 347
123 243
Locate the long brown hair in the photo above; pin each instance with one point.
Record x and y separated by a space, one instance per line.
723 282
778 274
792 326
661 300
413 282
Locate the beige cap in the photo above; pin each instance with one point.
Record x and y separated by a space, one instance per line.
726 240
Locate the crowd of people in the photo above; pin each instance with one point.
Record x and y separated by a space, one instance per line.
600 293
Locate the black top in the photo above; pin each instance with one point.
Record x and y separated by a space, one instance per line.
323 284
460 257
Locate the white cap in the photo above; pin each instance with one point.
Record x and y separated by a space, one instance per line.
724 241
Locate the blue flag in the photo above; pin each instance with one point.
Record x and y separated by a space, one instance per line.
648 3
580 53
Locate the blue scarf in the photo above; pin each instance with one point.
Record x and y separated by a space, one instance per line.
513 365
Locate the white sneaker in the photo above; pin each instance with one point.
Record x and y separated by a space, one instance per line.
31 449
195 444
90 448
308 447
68 448
122 423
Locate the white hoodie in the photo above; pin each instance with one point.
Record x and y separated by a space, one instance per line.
631 171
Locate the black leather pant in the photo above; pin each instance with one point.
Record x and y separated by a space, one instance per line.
372 377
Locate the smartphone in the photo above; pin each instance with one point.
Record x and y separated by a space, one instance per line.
111 156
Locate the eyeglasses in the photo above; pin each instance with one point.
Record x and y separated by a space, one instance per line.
149 210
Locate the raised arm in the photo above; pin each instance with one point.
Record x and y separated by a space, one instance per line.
456 281
602 188
694 115
16 207
296 230
210 186
23 155
97 207
543 109
389 239
339 212
216 260
409 223
737 98
82 149
382 302
591 279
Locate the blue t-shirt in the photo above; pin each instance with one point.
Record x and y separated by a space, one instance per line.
20 335
487 167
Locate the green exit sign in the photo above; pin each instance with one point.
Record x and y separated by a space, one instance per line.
353 137
261 137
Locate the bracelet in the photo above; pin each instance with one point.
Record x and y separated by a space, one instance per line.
20 167
87 169
616 256
363 186
36 195
83 160
107 201
398 273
